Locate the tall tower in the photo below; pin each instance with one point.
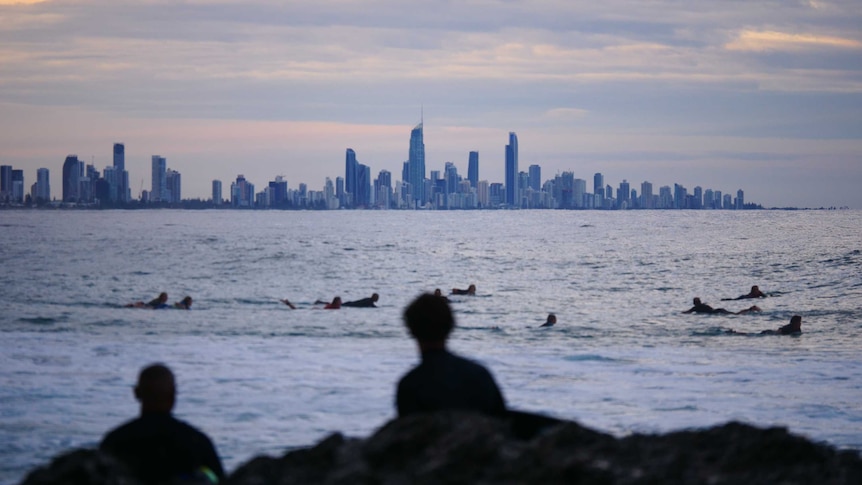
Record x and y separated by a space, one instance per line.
72 173
159 187
350 184
535 177
416 161
43 184
119 156
473 169
512 170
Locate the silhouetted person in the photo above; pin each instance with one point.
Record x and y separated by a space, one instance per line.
184 304
754 293
792 328
439 294
550 322
364 302
700 307
156 447
160 301
471 290
443 380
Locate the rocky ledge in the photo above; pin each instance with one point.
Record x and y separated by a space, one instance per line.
526 448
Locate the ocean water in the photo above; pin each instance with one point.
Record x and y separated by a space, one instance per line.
260 378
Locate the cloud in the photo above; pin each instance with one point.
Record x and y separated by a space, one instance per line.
749 40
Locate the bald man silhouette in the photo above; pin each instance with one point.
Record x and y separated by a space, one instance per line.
156 447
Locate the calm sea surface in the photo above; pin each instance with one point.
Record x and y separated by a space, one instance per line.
261 378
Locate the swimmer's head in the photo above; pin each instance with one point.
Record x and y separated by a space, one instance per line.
696 301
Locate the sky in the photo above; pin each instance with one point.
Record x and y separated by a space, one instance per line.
763 96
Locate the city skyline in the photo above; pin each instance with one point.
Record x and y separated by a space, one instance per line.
754 95
84 184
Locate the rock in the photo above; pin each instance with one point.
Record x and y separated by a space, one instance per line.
453 447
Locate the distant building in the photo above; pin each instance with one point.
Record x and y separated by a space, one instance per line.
646 196
173 187
159 182
350 164
43 185
121 177
473 169
511 181
17 194
217 197
416 165
5 182
73 172
278 192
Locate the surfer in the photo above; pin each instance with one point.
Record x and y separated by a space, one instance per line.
754 293
471 290
160 301
364 302
550 322
439 294
792 328
157 447
442 380
184 304
700 307
335 304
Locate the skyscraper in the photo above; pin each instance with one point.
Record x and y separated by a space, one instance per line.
5 181
17 186
43 185
416 164
350 174
512 170
599 185
535 174
217 192
473 169
173 187
159 186
73 171
119 156
123 191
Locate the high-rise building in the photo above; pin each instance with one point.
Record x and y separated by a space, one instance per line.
17 194
159 185
217 192
123 191
119 156
5 182
740 200
623 195
646 195
278 192
511 181
473 169
697 198
350 174
579 193
362 198
173 187
599 185
73 172
43 185
535 174
416 164
241 192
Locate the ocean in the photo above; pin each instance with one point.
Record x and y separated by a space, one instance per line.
261 378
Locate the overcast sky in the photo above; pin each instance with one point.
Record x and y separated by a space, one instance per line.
753 95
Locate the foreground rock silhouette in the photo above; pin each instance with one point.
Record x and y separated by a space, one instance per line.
465 448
